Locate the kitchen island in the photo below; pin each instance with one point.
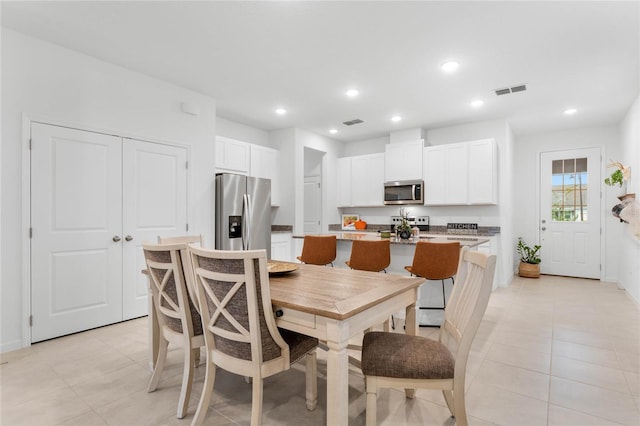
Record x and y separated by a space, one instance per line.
429 294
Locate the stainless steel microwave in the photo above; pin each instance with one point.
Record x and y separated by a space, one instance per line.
404 192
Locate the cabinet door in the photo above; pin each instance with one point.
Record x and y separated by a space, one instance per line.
367 173
265 164
343 191
232 156
482 175
403 161
456 184
434 175
281 246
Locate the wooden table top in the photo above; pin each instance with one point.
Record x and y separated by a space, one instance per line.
336 293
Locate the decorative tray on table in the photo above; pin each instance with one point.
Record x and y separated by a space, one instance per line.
276 267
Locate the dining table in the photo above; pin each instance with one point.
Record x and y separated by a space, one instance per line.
335 305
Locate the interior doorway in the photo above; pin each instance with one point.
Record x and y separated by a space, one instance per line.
570 212
312 191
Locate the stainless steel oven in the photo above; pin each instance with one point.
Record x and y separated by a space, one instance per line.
404 192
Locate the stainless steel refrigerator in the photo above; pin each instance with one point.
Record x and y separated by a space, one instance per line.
243 213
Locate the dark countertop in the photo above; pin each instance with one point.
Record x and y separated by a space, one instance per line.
465 240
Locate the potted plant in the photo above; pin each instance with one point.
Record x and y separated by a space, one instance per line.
403 229
619 177
529 259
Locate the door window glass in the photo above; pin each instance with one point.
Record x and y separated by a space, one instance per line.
569 182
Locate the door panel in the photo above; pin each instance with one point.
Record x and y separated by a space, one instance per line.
570 213
75 213
155 203
312 205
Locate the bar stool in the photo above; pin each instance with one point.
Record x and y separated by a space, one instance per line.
318 250
435 261
374 256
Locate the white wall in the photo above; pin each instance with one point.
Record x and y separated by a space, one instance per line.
45 81
627 249
242 132
526 161
368 146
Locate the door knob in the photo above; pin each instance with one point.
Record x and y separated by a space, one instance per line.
544 228
116 238
128 238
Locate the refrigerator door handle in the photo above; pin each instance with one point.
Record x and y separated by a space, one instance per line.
246 222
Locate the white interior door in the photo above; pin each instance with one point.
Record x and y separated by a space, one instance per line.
312 205
76 205
155 203
570 212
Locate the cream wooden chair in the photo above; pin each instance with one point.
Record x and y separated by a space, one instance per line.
240 330
178 319
318 250
401 361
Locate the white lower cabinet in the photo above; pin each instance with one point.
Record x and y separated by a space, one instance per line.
281 246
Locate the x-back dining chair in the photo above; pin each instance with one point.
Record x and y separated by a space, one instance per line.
177 316
403 361
240 330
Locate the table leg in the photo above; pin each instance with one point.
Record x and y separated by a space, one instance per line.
337 382
411 328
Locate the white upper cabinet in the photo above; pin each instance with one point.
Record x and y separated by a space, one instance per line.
232 156
265 164
367 180
483 172
343 192
461 173
403 161
360 181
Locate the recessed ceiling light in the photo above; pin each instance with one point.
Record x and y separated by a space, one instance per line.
396 118
570 111
281 111
352 93
333 131
450 66
477 103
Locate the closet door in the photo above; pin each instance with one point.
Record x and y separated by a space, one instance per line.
154 203
76 218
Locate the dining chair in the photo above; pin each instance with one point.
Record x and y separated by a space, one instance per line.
318 249
435 261
178 319
374 256
411 362
240 330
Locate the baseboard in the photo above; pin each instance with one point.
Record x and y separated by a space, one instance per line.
11 346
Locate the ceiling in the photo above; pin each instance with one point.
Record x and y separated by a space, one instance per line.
253 57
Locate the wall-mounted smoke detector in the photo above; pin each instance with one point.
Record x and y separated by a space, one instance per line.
352 122
513 89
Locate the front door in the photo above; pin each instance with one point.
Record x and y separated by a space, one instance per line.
570 213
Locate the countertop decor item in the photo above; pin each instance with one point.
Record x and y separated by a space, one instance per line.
349 221
529 259
403 229
360 224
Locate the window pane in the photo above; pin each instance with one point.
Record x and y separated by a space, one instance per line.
569 190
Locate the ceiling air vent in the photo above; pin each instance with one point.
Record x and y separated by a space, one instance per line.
513 89
352 122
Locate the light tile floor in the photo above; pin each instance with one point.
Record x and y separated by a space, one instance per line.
553 351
